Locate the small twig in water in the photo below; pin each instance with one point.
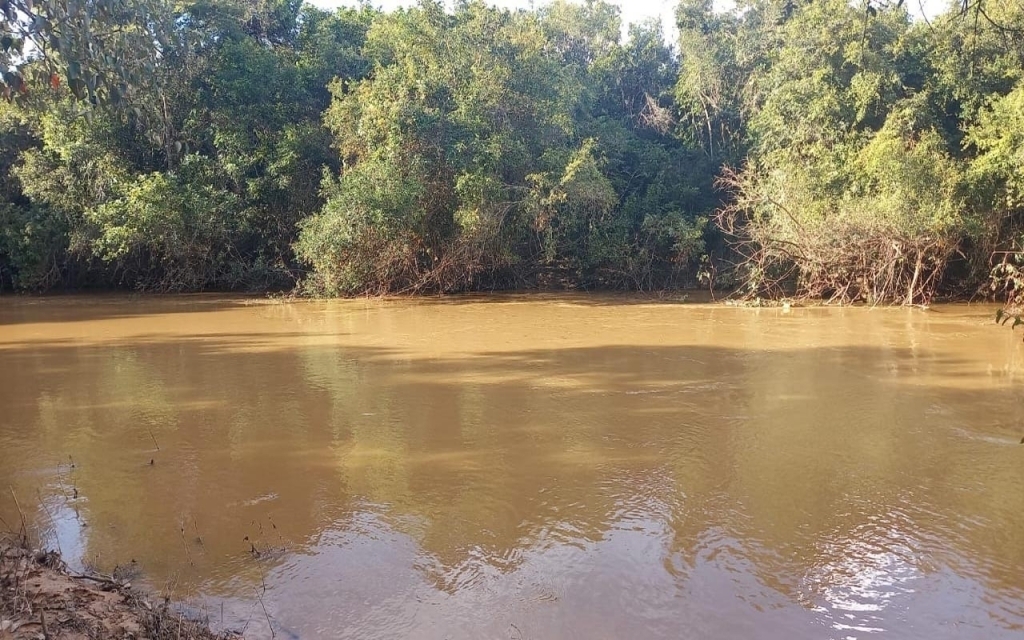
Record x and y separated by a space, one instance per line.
94 578
60 483
24 527
184 543
259 597
53 522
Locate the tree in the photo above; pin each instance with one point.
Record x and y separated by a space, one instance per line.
852 188
845 151
198 185
490 148
102 50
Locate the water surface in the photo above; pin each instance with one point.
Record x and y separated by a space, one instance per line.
528 467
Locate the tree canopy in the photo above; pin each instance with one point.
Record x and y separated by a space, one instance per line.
818 148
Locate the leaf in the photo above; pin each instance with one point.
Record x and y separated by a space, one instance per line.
77 87
7 42
54 81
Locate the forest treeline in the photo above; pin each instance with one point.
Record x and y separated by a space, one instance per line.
819 148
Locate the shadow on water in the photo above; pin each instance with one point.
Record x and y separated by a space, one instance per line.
575 298
24 309
604 486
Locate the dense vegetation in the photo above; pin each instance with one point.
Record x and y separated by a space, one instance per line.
791 147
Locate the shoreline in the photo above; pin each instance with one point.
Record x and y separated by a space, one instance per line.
698 296
41 598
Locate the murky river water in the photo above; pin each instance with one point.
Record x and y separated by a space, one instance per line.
528 467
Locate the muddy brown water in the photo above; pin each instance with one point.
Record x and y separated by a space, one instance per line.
528 467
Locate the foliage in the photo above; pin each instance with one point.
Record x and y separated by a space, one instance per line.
101 50
490 148
198 185
856 184
843 150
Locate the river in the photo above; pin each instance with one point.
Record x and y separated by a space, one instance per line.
527 466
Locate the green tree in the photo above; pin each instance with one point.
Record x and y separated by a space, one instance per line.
850 189
198 185
495 148
102 50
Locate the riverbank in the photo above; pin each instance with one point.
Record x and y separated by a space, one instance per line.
40 598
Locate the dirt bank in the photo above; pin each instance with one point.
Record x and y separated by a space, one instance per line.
41 599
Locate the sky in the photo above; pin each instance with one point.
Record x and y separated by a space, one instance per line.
632 10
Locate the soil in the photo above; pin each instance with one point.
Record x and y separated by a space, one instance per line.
41 600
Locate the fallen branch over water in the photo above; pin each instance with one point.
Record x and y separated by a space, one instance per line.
39 598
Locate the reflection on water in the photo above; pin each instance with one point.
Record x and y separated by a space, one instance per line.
528 467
